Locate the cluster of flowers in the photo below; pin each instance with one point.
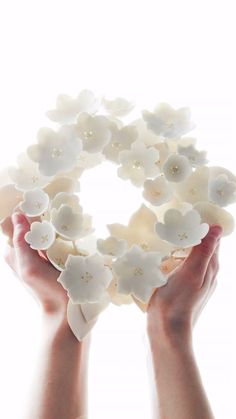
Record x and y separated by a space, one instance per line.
182 197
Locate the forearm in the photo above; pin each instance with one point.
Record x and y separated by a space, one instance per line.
179 388
56 387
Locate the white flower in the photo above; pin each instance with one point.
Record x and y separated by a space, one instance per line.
92 310
176 168
173 143
117 298
175 203
67 222
93 131
195 187
59 252
164 152
121 139
118 106
144 134
85 278
27 176
112 246
138 163
62 184
87 160
195 157
157 191
56 151
64 198
215 171
41 235
35 202
213 214
79 326
138 273
169 122
222 191
141 231
182 230
9 199
68 108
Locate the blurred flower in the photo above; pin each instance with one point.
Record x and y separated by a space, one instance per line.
112 246
121 139
213 214
118 106
176 168
68 223
195 187
35 202
93 131
85 278
144 134
65 198
182 230
89 160
62 184
59 252
157 191
222 191
195 157
9 198
41 235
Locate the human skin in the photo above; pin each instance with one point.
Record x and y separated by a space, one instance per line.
60 387
172 313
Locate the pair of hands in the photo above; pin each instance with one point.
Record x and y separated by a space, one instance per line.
174 307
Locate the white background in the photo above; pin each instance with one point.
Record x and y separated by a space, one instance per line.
181 52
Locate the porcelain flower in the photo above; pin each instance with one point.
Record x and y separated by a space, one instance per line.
93 131
182 230
117 298
195 187
62 184
213 214
92 310
112 246
41 235
174 143
141 231
67 223
79 326
59 252
27 175
88 160
85 278
222 191
176 168
138 163
118 106
68 108
35 202
169 122
121 139
175 203
145 135
56 151
65 198
195 157
138 273
158 191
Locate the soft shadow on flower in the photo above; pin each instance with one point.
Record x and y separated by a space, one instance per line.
35 202
85 278
222 191
59 252
62 184
213 214
138 163
112 246
118 106
41 235
182 230
65 198
92 310
138 273
93 131
195 157
69 224
89 160
145 135
176 168
121 139
195 187
158 191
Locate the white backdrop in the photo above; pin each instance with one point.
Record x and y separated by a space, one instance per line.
181 52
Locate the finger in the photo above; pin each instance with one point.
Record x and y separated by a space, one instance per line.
200 256
10 257
7 228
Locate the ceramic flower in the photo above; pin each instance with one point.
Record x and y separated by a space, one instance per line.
138 273
117 298
67 223
182 230
195 187
9 198
79 326
56 151
92 310
62 184
41 235
138 163
164 153
213 214
68 108
121 139
145 135
88 160
93 131
118 106
215 171
176 168
85 278
169 122
175 203
59 252
195 157
65 198
222 191
174 143
158 191
27 175
141 231
112 246
35 202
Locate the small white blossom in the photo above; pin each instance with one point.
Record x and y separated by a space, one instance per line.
85 278
93 131
117 298
182 230
35 202
174 143
213 214
67 223
10 197
64 198
112 246
92 310
168 122
222 191
138 273
56 151
145 135
118 106
195 157
195 187
59 252
121 139
138 163
41 235
62 184
158 191
176 168
89 160
175 203
68 108
79 326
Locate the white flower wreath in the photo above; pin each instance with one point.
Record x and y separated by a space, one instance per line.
182 197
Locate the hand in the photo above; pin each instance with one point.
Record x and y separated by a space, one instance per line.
36 272
175 307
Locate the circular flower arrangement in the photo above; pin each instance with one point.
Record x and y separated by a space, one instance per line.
182 195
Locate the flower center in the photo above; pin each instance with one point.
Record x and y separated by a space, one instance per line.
144 246
44 239
88 134
38 205
64 227
116 145
220 192
193 191
34 179
137 164
174 169
138 271
182 236
60 262
56 152
86 277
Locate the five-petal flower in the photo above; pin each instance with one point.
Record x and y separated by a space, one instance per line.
93 131
222 191
158 191
41 235
121 139
112 246
196 158
35 202
69 224
176 168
